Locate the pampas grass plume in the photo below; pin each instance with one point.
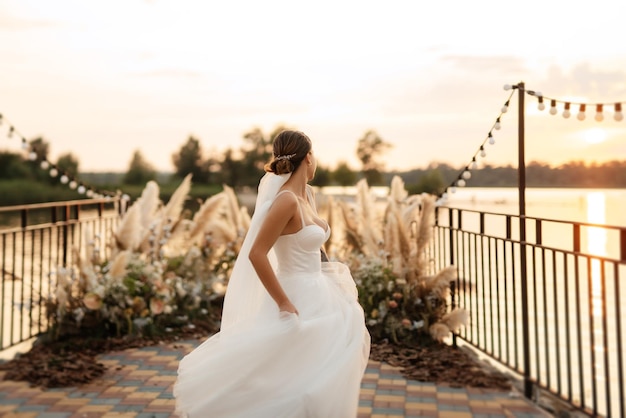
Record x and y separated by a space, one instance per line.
439 331
127 235
118 265
148 202
174 207
456 319
206 213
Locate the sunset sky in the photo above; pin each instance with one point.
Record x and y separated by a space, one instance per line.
104 78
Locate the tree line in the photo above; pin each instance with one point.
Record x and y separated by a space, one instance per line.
238 167
242 166
437 176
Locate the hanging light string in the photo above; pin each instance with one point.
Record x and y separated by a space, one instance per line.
54 171
568 106
466 173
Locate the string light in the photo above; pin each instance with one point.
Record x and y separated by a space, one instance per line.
599 116
53 170
466 173
581 115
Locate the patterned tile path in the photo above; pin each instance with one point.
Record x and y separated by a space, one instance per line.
138 384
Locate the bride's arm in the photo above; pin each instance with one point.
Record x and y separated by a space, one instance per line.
279 215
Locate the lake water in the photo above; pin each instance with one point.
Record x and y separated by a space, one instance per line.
602 206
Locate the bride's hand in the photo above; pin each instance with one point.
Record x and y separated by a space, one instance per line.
288 307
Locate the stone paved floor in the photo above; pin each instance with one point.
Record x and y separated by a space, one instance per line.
138 384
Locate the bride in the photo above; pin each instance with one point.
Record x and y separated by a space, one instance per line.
293 341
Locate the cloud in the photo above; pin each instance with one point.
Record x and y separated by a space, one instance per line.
19 24
170 73
480 64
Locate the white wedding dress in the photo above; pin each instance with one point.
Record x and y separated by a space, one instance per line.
271 365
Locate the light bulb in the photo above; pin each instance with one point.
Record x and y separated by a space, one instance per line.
125 197
32 155
504 109
581 112
64 179
453 189
541 106
599 116
483 153
73 184
24 144
507 87
81 189
44 164
618 112
467 175
89 193
497 125
474 164
53 172
553 107
460 183
566 112
491 140
444 196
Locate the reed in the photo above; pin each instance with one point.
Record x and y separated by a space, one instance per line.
387 249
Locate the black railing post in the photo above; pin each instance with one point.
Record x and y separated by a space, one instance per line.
453 287
521 169
622 245
66 226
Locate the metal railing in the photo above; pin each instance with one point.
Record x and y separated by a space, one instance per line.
35 241
559 313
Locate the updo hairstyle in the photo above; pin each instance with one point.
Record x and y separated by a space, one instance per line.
290 148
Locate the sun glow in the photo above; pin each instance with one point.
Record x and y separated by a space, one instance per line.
594 135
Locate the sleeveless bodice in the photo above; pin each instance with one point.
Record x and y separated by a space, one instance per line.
300 252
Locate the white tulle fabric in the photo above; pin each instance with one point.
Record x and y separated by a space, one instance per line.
266 365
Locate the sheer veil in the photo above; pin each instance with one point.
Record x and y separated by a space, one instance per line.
246 298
